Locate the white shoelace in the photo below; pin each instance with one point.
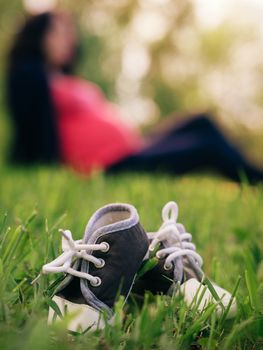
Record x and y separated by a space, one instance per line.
76 249
179 240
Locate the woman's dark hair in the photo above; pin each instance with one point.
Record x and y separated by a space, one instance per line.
29 39
28 96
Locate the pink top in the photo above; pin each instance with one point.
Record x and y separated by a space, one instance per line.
91 133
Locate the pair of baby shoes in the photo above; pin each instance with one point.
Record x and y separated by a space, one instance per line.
103 265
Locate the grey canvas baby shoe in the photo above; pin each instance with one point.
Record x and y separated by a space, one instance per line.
176 266
98 268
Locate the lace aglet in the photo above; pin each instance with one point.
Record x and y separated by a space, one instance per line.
67 235
62 232
35 279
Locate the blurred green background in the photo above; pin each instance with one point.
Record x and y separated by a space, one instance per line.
157 57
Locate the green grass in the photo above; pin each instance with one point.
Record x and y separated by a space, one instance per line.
227 225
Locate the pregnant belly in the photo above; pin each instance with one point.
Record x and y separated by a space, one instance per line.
88 144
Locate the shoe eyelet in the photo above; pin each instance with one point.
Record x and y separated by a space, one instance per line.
102 263
97 283
167 267
107 247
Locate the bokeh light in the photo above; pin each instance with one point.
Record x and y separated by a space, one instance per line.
39 6
181 55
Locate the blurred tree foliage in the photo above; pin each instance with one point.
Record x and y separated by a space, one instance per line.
152 57
111 31
108 28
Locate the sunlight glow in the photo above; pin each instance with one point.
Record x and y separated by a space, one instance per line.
211 13
154 2
39 6
139 111
135 61
150 26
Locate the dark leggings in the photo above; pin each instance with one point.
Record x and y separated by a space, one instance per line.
195 145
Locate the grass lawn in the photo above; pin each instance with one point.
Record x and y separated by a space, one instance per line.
225 220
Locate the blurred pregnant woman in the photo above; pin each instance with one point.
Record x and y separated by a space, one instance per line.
58 117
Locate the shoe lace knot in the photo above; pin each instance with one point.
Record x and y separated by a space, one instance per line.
176 241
